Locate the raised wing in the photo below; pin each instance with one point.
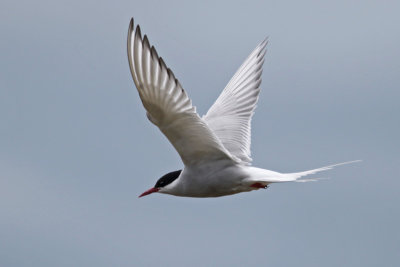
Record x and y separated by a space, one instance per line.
168 105
230 116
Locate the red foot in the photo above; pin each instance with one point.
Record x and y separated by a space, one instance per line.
258 185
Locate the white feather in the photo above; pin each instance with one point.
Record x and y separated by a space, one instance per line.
168 105
230 116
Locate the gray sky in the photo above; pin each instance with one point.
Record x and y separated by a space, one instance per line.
77 149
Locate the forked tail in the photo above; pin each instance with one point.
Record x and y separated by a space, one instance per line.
297 176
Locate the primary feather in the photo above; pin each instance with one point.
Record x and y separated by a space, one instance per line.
230 116
168 105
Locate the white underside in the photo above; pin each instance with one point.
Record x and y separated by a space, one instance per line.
221 178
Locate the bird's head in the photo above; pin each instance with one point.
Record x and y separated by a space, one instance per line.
162 183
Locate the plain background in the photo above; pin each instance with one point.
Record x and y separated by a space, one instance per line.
76 148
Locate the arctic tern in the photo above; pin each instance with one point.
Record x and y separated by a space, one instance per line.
215 148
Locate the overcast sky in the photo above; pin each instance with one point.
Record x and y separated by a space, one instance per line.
76 148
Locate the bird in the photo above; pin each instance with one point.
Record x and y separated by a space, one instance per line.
214 148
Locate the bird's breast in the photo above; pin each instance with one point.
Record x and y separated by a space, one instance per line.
211 180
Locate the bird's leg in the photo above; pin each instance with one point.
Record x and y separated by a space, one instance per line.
259 185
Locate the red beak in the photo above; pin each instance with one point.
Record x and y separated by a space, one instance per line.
148 192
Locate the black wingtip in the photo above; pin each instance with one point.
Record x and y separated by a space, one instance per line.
162 63
171 74
154 53
130 31
146 40
138 31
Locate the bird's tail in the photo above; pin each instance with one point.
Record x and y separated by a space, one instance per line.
297 176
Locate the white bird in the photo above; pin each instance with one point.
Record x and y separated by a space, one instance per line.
215 148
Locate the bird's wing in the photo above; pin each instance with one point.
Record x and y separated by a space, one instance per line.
168 105
230 116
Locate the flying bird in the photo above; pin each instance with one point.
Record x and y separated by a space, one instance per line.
215 148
